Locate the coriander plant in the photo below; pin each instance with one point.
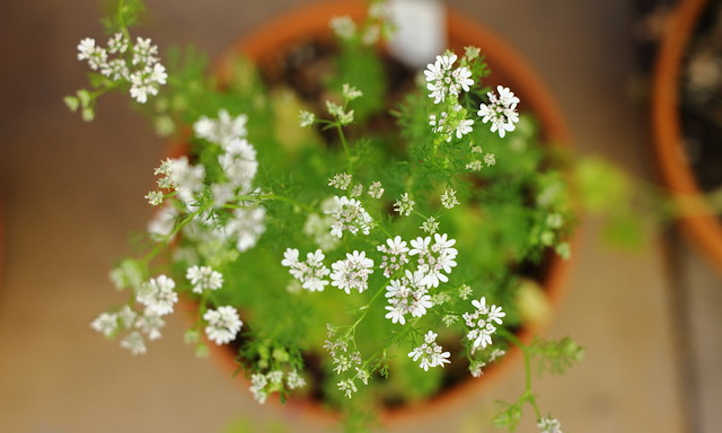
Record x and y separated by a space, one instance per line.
336 258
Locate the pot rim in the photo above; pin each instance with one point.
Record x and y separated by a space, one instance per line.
309 21
702 225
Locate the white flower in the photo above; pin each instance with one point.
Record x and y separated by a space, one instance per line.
154 198
257 388
275 376
115 70
117 43
147 81
294 380
430 226
158 295
430 353
222 130
311 273
144 52
318 228
448 198
462 78
442 81
465 292
306 118
347 214
239 162
105 323
548 424
474 165
223 324
395 255
352 273
435 260
343 26
186 179
95 55
163 223
204 278
463 127
350 92
496 354
248 226
348 387
340 181
343 117
475 368
357 190
127 316
134 342
404 205
490 160
150 325
481 323
471 52
500 111
407 296
375 190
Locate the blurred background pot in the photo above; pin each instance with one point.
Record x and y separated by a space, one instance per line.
700 223
508 68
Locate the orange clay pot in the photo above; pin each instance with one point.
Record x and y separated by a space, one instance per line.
507 67
699 223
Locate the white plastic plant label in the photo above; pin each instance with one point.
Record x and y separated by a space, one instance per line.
420 30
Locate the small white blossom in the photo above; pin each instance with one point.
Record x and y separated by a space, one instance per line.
395 255
442 81
337 111
158 295
448 198
163 223
474 165
348 387
475 368
375 190
134 342
343 26
275 376
105 323
407 295
471 52
430 354
306 118
548 424
463 127
465 292
347 214
311 273
150 325
154 198
481 323
222 130
449 320
257 388
294 380
239 162
436 260
500 111
350 92
127 316
352 273
490 160
430 225
223 324
340 181
357 190
204 278
117 44
95 55
144 52
404 205
247 226
496 354
116 69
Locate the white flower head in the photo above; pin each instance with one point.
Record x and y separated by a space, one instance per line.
117 44
247 225
204 278
343 26
223 324
105 323
222 130
395 255
337 111
481 323
312 273
448 198
144 52
154 198
375 190
95 55
407 295
352 273
430 225
548 424
158 295
500 111
135 343
163 222
442 81
347 214
435 260
430 354
306 118
150 325
490 160
404 205
295 380
340 181
350 92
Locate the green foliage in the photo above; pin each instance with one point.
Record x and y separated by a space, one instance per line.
122 14
555 356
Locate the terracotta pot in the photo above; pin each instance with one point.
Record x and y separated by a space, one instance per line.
700 224
508 67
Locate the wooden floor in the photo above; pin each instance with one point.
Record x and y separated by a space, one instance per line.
649 320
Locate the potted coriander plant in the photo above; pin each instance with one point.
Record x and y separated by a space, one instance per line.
350 233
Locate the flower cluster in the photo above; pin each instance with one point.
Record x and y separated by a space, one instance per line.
204 278
395 255
264 384
348 214
223 324
352 273
311 273
434 260
407 295
346 362
500 111
442 80
549 425
430 354
481 323
136 64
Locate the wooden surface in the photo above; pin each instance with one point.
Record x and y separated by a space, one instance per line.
72 192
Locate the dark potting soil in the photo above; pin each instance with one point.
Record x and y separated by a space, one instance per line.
303 68
701 98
